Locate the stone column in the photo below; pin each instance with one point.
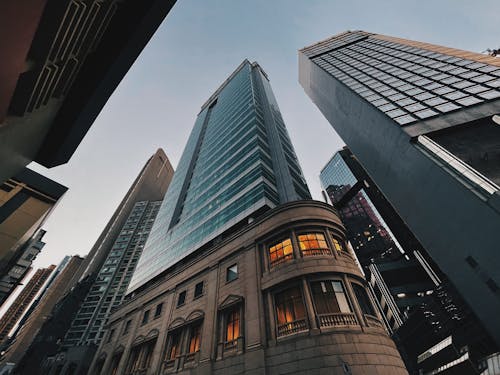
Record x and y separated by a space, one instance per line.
272 314
329 241
354 302
250 318
295 245
313 324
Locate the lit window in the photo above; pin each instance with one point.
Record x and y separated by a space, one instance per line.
329 297
290 312
363 299
337 245
313 244
174 346
233 324
232 273
194 338
281 252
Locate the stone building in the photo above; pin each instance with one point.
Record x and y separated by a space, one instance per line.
281 294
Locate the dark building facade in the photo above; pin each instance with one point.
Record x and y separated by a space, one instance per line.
26 200
12 278
23 301
243 272
63 280
400 279
65 60
412 293
418 117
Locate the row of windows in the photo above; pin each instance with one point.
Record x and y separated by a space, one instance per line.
408 83
331 303
310 244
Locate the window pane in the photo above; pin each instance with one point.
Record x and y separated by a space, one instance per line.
194 339
313 244
289 306
233 324
363 299
281 252
329 297
232 272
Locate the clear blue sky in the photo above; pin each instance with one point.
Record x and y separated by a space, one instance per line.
198 45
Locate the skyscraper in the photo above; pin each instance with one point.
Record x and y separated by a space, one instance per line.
26 200
113 278
75 327
408 277
12 278
238 160
63 280
243 272
418 117
411 291
22 302
65 60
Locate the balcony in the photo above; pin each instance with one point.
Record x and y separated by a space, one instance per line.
316 252
291 328
337 320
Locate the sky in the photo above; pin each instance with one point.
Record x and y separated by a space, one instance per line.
197 46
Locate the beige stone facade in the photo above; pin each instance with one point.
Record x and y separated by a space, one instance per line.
283 295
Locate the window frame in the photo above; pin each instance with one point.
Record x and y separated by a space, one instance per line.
372 312
158 310
228 270
345 293
305 318
279 259
201 293
145 316
184 297
313 250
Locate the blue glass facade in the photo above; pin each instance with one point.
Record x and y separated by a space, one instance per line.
238 159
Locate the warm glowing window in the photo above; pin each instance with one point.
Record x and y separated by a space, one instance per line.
194 338
281 252
289 306
338 245
233 324
329 297
313 244
174 347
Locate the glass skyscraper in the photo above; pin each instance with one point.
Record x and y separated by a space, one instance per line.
420 119
238 160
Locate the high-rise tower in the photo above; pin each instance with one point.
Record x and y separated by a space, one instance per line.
71 337
238 160
243 272
420 118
